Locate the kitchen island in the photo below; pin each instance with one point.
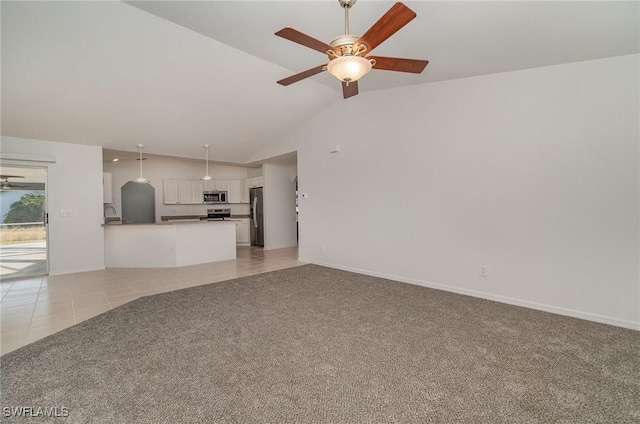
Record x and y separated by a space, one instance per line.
167 245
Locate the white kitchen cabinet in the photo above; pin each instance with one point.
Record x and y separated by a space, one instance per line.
189 192
185 192
182 192
244 198
234 191
107 187
255 182
198 188
170 192
221 185
242 231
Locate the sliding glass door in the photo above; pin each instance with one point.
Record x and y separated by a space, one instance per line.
23 222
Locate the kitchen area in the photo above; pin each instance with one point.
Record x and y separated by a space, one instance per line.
172 216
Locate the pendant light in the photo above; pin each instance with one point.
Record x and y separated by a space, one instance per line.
207 177
141 179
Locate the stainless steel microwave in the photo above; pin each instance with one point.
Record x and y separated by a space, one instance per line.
210 197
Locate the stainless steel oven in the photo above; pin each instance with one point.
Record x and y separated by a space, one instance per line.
218 214
211 197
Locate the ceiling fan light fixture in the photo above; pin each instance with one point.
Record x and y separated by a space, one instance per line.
346 53
349 68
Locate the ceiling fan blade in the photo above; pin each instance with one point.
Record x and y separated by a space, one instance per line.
304 39
27 186
302 75
414 66
398 16
349 90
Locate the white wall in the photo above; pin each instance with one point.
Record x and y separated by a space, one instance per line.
74 182
157 168
533 174
279 205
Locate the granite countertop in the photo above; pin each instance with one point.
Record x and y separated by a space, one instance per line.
161 223
125 224
204 217
168 218
179 217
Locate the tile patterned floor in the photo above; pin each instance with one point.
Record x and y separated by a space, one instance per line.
34 308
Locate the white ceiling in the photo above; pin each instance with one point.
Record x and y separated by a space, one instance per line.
175 75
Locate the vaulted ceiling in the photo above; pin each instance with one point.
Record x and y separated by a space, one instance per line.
175 75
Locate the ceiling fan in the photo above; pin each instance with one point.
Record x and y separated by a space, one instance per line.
347 60
6 185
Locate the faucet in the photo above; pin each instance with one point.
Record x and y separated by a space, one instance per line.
107 207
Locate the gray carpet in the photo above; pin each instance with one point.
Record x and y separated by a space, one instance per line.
316 345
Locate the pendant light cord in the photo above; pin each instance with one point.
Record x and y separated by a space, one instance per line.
141 177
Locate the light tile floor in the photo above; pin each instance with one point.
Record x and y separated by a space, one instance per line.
34 308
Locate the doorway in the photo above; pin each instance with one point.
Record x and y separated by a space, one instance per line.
23 222
297 228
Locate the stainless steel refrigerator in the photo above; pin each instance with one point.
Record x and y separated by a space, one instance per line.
257 218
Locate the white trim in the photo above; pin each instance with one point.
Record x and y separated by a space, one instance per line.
73 271
632 325
21 157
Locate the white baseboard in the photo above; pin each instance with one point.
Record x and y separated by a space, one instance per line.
488 296
74 271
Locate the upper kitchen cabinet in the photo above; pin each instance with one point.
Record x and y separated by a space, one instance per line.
189 192
198 188
182 192
209 185
107 187
245 192
221 185
170 192
234 191
185 192
255 182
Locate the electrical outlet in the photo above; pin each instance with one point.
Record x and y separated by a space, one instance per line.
322 247
483 272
